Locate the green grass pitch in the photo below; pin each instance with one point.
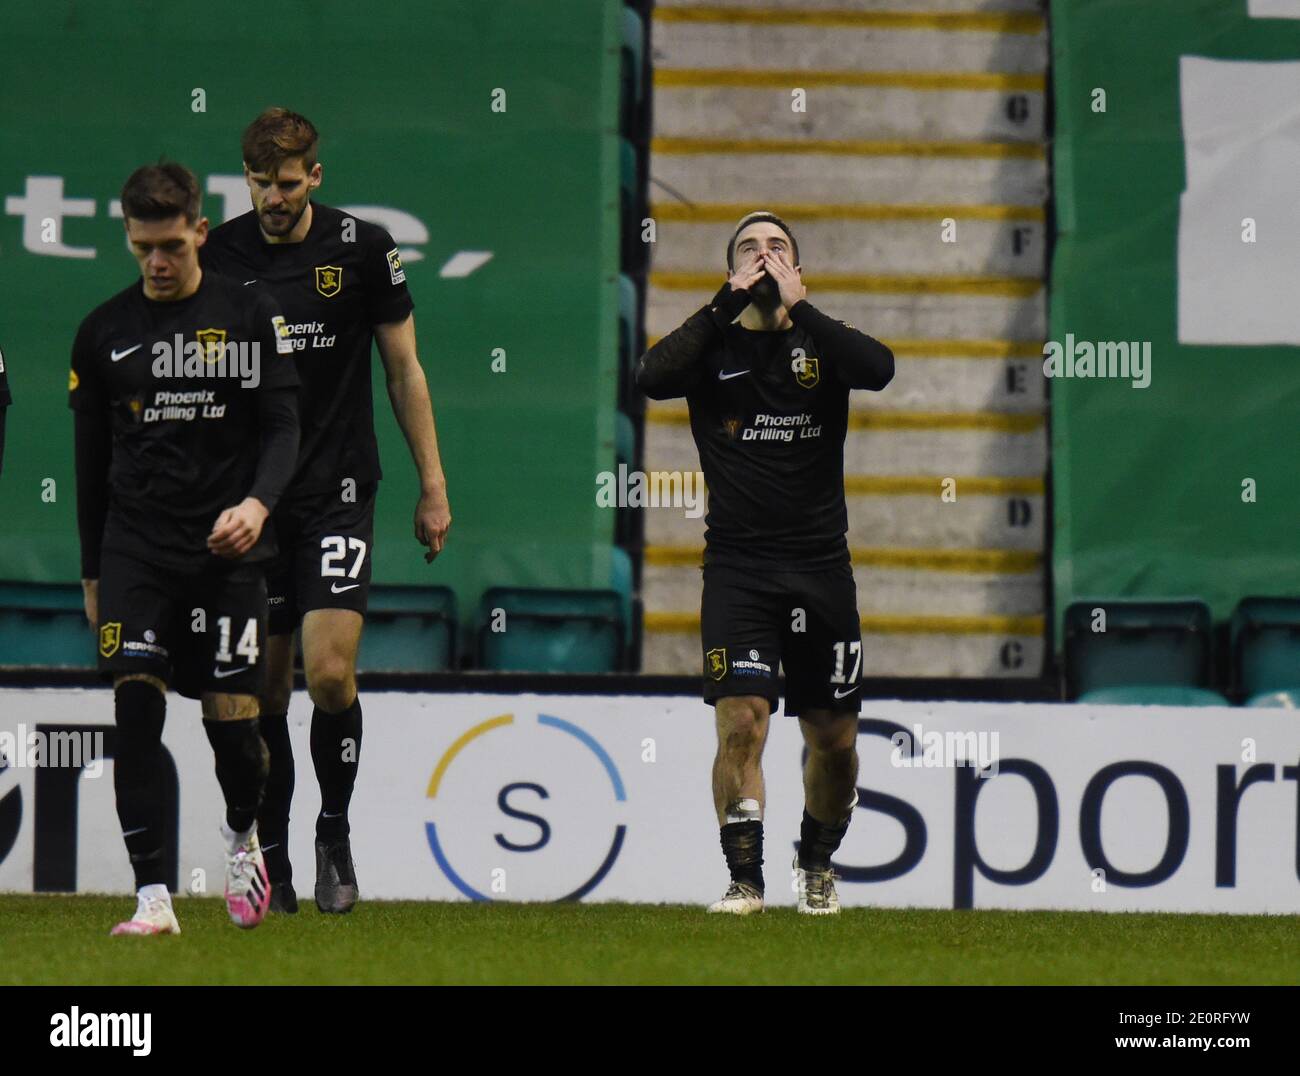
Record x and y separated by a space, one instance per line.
64 940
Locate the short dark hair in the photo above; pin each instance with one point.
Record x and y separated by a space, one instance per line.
278 135
756 218
162 191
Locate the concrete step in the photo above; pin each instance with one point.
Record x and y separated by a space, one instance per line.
975 520
995 247
669 588
760 106
885 315
937 451
1008 385
906 172
883 654
908 7
764 38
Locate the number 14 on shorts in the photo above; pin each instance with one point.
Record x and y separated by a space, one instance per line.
245 648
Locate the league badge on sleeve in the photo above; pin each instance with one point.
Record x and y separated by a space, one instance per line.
395 269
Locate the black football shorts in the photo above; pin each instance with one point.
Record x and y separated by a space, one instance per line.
753 621
325 547
197 631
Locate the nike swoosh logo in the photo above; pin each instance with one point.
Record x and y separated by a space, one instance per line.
133 832
253 281
728 377
229 672
117 355
339 590
841 694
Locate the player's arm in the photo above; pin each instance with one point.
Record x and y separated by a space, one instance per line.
408 391
5 401
858 360
93 450
673 366
94 447
238 528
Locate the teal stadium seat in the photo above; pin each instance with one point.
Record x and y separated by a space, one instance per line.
624 439
1265 644
43 625
409 630
568 631
1153 695
632 64
632 251
1148 649
627 350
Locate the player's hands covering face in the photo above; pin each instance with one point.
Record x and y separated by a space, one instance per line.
786 277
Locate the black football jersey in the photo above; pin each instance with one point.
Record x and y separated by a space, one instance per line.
180 383
344 278
769 411
770 428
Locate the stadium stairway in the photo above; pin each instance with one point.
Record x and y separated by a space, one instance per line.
916 115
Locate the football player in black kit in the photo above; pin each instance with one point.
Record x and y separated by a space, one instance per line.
185 403
341 285
769 399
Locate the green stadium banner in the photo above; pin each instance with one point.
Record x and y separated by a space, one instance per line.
484 136
1176 157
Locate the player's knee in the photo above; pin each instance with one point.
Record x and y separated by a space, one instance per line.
742 724
275 699
222 707
139 678
331 683
834 737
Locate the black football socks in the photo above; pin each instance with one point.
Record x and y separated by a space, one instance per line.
242 766
273 816
139 708
336 753
742 842
818 841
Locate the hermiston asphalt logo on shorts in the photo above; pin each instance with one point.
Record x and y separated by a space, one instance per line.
523 809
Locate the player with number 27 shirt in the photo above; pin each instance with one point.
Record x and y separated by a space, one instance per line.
340 283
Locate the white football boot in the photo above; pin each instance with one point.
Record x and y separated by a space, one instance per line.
153 915
741 898
816 890
248 892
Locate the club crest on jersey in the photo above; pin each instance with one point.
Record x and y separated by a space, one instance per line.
806 372
213 342
716 662
110 638
329 280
